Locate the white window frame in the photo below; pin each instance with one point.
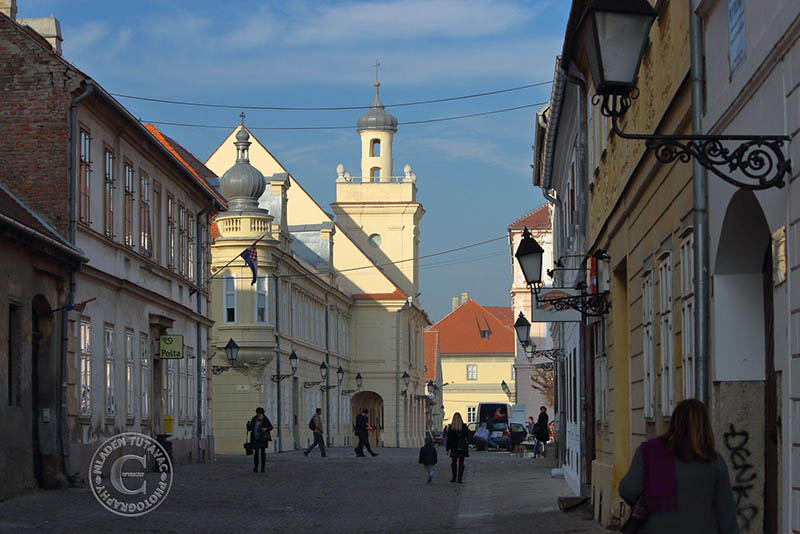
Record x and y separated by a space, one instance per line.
229 280
648 346
667 336
109 371
144 350
130 374
85 370
262 283
472 414
472 371
687 316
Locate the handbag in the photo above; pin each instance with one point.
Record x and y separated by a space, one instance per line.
248 445
636 518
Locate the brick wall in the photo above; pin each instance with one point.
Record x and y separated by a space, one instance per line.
36 88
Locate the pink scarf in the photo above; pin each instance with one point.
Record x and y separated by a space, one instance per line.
660 481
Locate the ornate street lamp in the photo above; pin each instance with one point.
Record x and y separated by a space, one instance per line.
523 329
346 392
232 353
339 378
506 390
278 378
323 372
615 35
529 255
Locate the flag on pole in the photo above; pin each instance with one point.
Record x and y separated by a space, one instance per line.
79 306
250 256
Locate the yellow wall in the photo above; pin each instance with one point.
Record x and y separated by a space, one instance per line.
459 393
638 211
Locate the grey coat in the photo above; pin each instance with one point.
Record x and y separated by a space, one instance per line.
705 499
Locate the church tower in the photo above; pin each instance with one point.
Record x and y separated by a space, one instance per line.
377 210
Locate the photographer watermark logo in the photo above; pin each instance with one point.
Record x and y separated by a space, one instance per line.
130 474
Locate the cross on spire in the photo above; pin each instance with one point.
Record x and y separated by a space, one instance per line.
377 66
242 117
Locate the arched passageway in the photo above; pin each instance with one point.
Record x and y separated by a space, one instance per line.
374 403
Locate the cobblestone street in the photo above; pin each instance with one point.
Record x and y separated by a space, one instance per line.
340 493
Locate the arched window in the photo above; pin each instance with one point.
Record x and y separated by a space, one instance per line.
375 173
375 148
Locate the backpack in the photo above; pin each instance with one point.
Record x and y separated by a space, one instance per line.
311 425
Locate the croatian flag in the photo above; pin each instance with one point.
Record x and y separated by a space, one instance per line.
79 306
250 257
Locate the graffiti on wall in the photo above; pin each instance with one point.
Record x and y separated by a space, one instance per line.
744 476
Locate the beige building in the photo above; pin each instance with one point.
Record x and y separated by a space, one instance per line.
323 297
476 350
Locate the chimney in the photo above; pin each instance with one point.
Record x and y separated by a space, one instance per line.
464 297
455 303
47 27
9 8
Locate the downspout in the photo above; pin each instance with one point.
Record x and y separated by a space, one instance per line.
278 349
700 218
399 350
200 265
73 181
327 377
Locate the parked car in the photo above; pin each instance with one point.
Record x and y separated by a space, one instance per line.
438 437
506 435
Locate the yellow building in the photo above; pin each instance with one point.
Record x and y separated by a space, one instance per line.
323 297
640 213
476 348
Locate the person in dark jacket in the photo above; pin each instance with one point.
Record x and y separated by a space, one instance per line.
362 431
428 457
260 428
542 434
457 444
682 479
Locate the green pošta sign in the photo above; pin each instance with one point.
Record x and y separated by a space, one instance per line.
171 347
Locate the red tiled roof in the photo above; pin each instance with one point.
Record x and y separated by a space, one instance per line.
397 294
460 331
504 313
538 218
431 344
187 159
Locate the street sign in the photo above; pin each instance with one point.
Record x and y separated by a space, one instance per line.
544 312
171 347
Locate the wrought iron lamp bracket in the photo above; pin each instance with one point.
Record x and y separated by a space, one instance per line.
346 392
554 355
759 158
589 304
313 384
328 388
280 378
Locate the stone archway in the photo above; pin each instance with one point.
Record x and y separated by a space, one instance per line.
743 361
374 403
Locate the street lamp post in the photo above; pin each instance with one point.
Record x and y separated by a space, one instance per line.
232 353
346 392
615 35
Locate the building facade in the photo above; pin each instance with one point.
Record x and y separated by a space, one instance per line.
476 349
752 86
116 193
334 303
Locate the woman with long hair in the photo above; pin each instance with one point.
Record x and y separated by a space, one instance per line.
457 444
681 479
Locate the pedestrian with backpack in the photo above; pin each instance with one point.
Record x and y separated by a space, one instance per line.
316 426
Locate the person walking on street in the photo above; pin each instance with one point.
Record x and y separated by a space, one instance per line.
259 428
457 444
362 432
680 479
530 427
542 434
428 456
316 425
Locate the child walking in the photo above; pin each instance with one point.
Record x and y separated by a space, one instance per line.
428 457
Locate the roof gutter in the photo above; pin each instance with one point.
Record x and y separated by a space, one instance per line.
551 133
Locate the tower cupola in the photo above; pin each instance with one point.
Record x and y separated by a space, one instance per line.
242 184
377 128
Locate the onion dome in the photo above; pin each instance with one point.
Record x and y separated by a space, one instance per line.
377 118
242 184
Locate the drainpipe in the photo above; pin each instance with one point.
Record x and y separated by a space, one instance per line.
199 264
278 348
327 377
399 348
700 218
73 180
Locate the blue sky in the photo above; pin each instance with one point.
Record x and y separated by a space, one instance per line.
473 175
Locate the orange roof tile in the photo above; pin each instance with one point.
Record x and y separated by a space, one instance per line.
473 329
431 344
538 218
187 160
397 294
504 313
